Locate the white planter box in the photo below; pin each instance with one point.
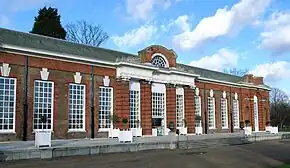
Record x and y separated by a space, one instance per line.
272 130
198 130
136 132
182 130
114 133
154 132
248 131
43 138
125 136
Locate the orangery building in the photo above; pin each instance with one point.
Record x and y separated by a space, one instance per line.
73 90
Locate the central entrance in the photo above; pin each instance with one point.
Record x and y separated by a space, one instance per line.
158 109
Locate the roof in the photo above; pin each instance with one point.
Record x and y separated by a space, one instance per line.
33 41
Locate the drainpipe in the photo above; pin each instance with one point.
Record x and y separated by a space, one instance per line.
25 106
92 105
231 111
204 104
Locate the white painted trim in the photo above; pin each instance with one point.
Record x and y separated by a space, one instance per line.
59 59
52 106
231 83
84 110
45 52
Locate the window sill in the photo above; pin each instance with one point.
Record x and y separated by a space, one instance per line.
76 131
104 130
7 132
225 127
212 128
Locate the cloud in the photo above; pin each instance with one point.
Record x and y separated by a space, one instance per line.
218 61
136 36
276 33
273 72
4 21
224 22
144 9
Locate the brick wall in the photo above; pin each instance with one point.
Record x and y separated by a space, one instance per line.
122 102
171 105
189 109
61 73
146 108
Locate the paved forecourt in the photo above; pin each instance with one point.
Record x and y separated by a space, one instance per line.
265 154
18 150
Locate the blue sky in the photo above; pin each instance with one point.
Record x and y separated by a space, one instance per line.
213 34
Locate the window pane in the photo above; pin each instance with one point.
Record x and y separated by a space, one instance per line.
134 109
7 103
179 111
105 106
42 105
76 107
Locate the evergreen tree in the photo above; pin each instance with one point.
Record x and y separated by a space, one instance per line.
48 23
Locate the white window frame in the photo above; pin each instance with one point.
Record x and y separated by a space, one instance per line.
224 113
213 112
197 109
134 87
112 108
83 129
52 104
256 113
180 111
236 112
158 88
14 106
164 59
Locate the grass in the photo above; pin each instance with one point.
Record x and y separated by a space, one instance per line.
283 166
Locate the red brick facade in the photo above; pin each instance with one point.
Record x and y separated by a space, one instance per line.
62 73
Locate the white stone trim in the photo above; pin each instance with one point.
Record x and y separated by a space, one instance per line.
155 75
236 96
158 88
196 92
44 74
134 85
78 77
106 81
5 69
211 93
224 94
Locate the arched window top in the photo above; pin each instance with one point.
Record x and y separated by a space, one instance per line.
159 61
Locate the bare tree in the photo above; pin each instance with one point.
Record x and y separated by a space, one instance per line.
86 33
279 107
235 71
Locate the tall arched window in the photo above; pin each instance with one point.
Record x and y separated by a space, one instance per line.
159 61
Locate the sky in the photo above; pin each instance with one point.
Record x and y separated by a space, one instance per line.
212 34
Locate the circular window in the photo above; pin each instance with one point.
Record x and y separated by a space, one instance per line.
158 61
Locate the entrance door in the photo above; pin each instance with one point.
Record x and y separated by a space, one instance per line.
159 108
